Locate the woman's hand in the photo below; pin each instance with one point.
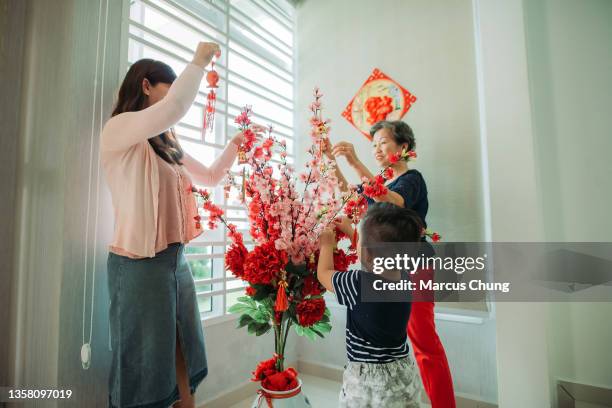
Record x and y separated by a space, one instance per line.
327 237
347 150
205 53
238 138
326 148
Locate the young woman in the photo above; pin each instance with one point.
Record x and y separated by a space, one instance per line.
407 189
156 335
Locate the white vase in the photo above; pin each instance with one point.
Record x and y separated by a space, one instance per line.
299 400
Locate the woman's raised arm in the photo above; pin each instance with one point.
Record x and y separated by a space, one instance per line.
129 128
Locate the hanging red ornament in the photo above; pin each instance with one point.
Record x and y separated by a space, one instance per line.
212 77
281 303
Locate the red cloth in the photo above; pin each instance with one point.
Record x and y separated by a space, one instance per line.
429 351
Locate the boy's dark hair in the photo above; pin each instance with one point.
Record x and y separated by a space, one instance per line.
402 133
386 222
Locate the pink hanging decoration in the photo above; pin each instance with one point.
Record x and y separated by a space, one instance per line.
212 77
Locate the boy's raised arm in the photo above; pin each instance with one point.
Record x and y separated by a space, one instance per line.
325 267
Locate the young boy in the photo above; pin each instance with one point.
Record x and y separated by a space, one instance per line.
380 372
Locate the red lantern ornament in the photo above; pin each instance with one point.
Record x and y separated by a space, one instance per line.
212 77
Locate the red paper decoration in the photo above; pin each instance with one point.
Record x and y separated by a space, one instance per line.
379 98
212 77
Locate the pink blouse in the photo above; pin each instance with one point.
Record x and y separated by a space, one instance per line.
176 209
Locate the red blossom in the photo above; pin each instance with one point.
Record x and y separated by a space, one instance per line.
264 263
388 173
215 213
249 139
340 235
311 287
235 258
250 291
205 194
356 207
243 119
375 187
234 235
394 157
272 379
283 381
310 311
268 143
343 260
265 369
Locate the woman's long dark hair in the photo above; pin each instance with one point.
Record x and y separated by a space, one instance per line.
131 99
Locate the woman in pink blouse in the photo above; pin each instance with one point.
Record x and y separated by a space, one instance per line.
156 334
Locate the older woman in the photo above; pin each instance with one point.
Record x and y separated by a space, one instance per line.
407 189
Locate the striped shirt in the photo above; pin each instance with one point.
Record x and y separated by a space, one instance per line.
375 331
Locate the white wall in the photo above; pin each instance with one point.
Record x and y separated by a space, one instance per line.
428 47
513 203
570 61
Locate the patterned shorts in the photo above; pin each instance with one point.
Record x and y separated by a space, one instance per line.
390 385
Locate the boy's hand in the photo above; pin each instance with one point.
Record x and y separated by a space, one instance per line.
345 225
327 237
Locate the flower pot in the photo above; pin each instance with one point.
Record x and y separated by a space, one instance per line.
294 398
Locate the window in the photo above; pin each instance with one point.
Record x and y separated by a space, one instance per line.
256 68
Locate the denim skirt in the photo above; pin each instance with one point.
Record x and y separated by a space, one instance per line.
151 301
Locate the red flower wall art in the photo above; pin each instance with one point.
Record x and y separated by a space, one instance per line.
379 98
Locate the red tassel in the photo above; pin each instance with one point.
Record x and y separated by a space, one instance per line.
354 240
281 298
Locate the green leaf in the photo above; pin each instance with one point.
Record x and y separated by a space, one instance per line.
260 316
309 333
258 328
305 332
240 308
318 333
244 320
247 300
263 329
322 327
